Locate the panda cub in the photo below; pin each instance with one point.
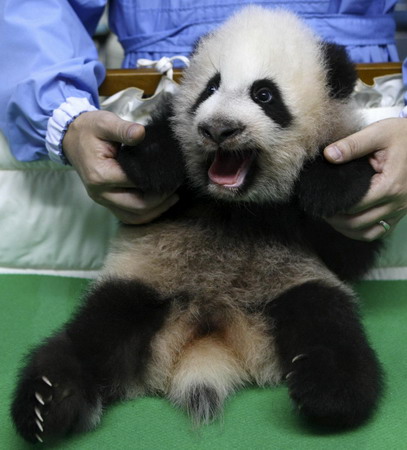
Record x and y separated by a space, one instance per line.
242 282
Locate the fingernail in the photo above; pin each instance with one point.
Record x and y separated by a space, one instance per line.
135 132
334 153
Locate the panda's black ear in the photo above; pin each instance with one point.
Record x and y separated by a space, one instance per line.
341 72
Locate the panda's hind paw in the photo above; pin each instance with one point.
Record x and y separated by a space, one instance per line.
32 406
330 392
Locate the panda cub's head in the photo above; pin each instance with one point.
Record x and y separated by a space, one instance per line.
262 95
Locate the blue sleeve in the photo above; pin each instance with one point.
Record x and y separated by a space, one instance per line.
47 55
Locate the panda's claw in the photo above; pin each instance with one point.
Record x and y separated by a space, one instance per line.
39 398
39 425
38 414
46 381
39 438
298 358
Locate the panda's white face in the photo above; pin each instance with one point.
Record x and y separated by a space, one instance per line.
254 106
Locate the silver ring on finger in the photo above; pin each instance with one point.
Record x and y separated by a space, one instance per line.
385 225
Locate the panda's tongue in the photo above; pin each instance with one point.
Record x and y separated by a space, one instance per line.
229 169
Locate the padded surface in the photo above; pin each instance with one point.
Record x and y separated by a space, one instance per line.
33 306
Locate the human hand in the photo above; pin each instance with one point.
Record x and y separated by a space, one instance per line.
90 145
386 143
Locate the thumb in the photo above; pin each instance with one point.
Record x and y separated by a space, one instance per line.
116 129
132 133
352 147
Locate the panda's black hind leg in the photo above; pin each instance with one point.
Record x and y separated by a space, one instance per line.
331 371
99 354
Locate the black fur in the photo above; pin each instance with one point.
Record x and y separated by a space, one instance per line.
350 259
324 189
90 361
156 164
341 72
211 87
276 109
69 404
332 372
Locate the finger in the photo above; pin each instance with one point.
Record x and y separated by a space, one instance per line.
133 201
376 231
355 146
367 235
142 217
105 176
110 127
370 232
366 218
380 193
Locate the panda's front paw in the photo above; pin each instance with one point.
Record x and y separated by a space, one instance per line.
324 189
156 164
151 168
331 391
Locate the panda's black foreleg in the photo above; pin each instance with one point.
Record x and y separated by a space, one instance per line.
156 164
332 373
324 189
99 354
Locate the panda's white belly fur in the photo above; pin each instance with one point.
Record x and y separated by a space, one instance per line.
210 338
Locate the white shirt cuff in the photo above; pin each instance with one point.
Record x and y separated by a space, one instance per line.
59 122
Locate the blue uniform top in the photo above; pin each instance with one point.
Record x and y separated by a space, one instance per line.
50 69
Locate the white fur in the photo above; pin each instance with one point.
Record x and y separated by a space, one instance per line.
255 45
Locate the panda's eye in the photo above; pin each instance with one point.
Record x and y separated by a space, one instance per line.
267 95
263 95
212 88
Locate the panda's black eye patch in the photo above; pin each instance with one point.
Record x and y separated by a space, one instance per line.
268 96
211 87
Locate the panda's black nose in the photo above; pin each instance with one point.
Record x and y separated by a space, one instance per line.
220 132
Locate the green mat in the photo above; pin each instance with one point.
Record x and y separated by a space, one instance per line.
33 306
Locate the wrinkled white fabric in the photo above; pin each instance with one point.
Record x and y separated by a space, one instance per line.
385 98
129 104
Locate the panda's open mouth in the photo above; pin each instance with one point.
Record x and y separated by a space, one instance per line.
229 169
